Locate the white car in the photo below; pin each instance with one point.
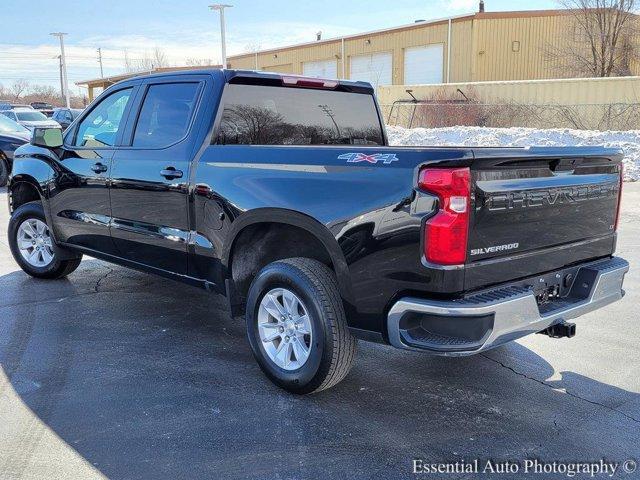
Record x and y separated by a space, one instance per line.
30 118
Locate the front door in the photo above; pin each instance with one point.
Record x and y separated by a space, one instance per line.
79 195
150 178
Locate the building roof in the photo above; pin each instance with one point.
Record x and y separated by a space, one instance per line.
417 24
107 81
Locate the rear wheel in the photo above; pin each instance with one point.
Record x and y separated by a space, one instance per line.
4 171
32 244
297 327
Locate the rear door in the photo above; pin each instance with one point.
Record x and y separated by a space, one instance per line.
150 175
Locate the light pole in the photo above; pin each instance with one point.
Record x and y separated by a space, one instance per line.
63 61
220 7
59 57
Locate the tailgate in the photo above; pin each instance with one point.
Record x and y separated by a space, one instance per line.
534 203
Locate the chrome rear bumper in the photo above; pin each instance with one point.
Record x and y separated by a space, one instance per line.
495 317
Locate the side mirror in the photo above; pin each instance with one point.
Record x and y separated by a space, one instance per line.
47 137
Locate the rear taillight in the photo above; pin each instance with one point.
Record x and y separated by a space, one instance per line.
446 233
307 82
619 197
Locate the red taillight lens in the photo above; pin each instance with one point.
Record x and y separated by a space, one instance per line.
446 233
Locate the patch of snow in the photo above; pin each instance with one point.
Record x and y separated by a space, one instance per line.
628 141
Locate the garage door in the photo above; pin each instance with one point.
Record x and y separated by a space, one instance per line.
374 68
286 68
423 65
321 69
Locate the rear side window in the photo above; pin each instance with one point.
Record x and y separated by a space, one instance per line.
165 115
264 115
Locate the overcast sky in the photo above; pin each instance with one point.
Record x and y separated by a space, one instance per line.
187 29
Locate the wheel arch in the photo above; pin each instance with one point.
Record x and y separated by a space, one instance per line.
33 167
22 189
287 219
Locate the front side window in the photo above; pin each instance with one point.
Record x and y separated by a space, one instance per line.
266 115
165 115
100 127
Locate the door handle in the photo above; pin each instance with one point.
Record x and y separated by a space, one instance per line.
171 173
99 168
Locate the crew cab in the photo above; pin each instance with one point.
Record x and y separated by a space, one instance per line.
282 193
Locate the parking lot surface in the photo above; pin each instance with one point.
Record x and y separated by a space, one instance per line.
118 374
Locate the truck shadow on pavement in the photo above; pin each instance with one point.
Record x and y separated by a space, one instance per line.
147 378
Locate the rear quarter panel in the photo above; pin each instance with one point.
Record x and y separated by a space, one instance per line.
369 209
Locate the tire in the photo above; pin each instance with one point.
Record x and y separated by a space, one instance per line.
4 171
32 213
331 347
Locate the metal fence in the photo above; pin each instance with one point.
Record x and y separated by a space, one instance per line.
615 116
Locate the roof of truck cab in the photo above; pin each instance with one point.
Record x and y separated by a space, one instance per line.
235 75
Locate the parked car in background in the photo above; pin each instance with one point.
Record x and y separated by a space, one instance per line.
11 106
64 116
30 118
42 106
12 135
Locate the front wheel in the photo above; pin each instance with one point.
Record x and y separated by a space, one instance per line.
32 245
297 327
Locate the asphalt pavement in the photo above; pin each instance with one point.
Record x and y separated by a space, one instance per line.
114 373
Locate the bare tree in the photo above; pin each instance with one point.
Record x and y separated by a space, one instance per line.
23 92
604 38
157 59
199 62
252 47
19 87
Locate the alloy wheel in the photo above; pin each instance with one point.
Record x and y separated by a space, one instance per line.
34 242
285 328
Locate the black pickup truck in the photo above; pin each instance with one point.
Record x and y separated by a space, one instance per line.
282 193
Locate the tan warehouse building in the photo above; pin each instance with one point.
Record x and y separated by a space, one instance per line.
470 48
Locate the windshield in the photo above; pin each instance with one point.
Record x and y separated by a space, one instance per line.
7 125
30 116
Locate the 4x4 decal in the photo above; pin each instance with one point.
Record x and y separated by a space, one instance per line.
385 158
